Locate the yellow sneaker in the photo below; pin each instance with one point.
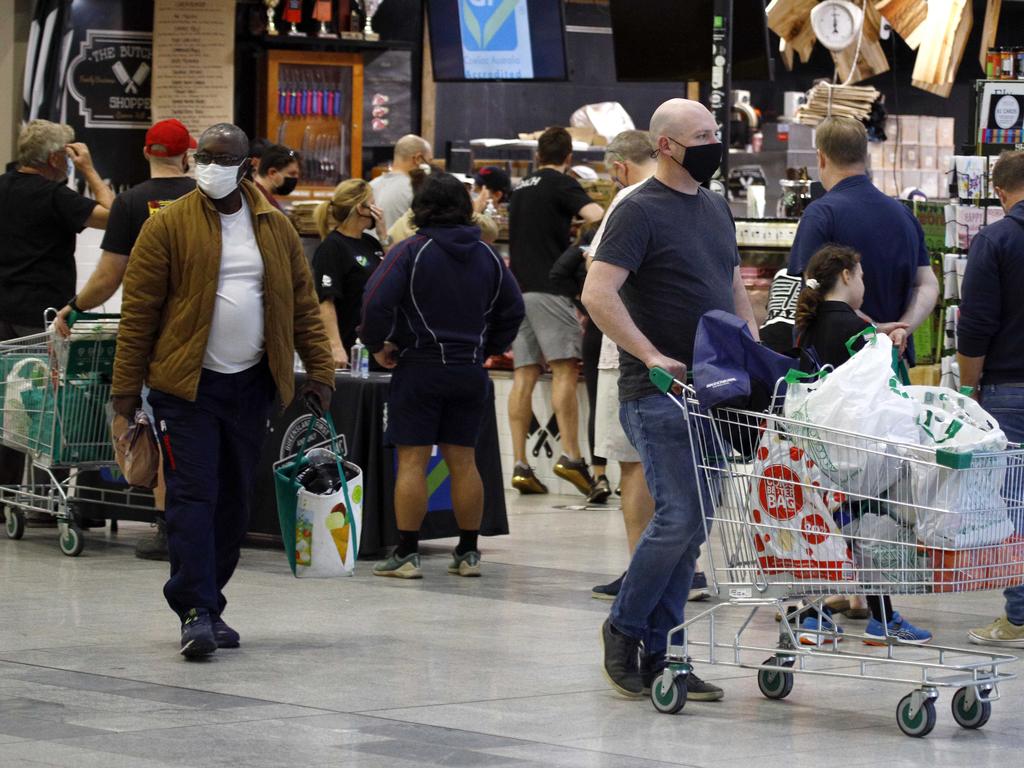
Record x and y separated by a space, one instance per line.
999 632
575 472
524 481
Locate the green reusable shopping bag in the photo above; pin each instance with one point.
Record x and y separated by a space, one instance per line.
288 492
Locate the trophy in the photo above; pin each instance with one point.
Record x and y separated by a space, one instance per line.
369 8
271 26
322 13
293 14
352 33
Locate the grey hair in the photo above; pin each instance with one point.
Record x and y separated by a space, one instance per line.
633 146
40 139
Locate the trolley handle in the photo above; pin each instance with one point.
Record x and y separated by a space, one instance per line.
74 316
669 384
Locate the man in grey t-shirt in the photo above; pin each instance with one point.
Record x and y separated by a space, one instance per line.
668 255
393 190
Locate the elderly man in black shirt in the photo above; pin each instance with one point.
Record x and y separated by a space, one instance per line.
41 218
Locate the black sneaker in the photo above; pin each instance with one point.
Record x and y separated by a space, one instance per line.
599 491
197 639
699 588
225 636
621 664
696 689
608 591
154 547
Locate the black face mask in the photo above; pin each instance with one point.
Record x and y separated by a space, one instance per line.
287 186
701 161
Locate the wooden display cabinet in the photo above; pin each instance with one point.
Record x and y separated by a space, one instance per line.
313 103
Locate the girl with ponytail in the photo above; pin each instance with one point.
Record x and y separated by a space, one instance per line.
345 259
826 318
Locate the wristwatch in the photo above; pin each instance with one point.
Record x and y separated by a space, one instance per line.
73 303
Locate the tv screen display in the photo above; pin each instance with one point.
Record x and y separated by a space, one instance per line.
658 40
497 39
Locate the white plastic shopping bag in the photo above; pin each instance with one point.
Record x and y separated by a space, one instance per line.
854 419
959 494
791 507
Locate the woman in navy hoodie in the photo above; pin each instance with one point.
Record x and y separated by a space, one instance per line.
437 307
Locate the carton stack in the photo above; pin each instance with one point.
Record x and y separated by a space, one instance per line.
916 154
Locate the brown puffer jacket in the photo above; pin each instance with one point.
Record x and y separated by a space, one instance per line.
169 292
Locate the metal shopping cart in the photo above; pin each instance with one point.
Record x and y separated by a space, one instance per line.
53 398
789 528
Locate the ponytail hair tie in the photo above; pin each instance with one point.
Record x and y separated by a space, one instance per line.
813 284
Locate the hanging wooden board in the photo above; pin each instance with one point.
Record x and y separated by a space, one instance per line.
905 16
988 32
945 34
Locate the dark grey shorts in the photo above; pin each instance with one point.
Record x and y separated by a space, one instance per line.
549 332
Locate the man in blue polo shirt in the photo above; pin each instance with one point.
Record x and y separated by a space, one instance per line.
989 344
900 288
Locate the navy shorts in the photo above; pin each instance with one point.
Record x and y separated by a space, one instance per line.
435 404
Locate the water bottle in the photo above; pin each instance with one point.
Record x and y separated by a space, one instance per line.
364 362
355 359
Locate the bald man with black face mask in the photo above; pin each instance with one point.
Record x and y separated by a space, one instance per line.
215 359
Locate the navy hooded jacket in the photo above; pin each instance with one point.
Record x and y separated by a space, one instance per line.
991 310
444 298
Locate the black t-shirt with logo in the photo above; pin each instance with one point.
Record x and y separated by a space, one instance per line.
132 208
341 267
540 214
40 219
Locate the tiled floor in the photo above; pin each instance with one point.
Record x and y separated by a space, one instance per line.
496 671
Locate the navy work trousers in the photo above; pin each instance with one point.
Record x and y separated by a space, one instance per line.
211 448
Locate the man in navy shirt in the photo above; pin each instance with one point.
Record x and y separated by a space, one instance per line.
989 342
900 288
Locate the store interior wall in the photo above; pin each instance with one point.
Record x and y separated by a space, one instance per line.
15 20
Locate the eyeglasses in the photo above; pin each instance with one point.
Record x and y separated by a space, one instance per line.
206 158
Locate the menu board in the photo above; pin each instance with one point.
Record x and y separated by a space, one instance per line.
194 62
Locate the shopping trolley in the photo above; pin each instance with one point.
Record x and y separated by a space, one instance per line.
53 404
791 529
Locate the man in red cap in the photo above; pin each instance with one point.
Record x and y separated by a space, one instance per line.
166 149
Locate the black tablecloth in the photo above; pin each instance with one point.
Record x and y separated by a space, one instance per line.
359 410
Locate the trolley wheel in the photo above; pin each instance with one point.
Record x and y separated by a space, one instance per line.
71 540
920 724
15 523
775 684
671 698
974 715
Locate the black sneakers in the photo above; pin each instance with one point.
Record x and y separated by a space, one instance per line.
154 547
696 689
225 636
197 638
599 491
621 661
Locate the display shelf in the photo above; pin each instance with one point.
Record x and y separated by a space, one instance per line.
310 43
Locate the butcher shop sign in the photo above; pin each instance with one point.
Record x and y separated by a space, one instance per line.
111 78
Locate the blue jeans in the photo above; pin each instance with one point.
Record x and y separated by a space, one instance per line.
657 583
1006 403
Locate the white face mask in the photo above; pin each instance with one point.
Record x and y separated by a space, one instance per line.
217 181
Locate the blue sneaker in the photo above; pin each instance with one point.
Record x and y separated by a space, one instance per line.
699 588
898 628
814 623
197 638
607 591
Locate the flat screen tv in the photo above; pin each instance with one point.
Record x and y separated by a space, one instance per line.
670 40
497 40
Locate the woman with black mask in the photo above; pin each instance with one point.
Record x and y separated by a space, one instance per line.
278 172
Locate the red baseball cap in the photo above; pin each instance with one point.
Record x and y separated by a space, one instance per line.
172 135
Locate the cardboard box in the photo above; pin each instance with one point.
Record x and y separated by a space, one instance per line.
928 131
944 159
907 179
910 156
930 184
928 159
946 136
876 155
889 154
909 128
969 570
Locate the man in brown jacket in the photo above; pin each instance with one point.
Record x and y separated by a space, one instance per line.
217 299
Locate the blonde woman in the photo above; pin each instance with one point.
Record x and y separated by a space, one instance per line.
345 259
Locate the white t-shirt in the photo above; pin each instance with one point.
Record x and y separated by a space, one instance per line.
609 357
236 333
393 194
